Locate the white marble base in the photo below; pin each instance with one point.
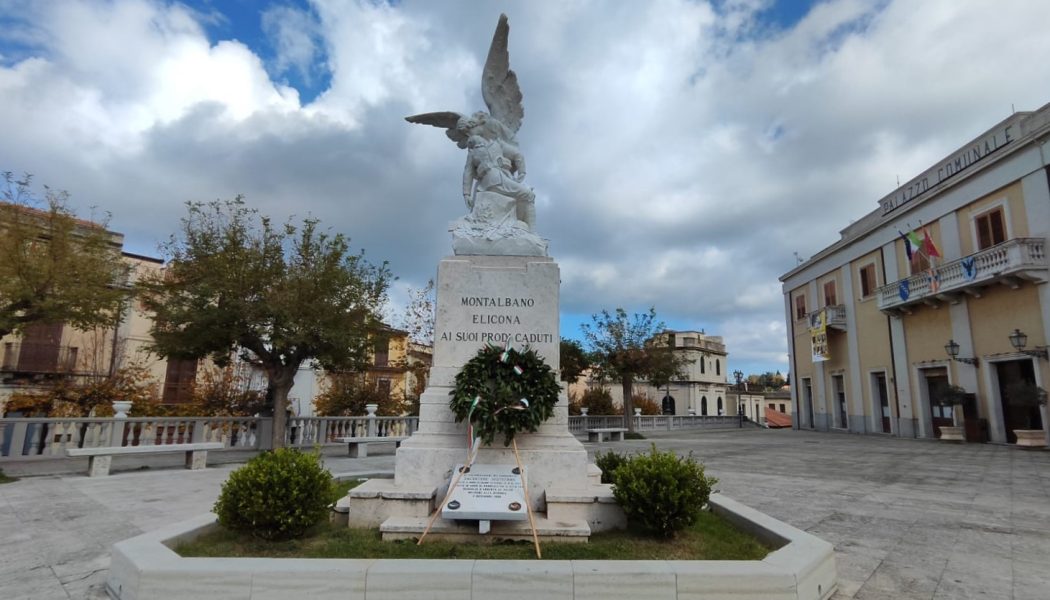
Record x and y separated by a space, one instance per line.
98 466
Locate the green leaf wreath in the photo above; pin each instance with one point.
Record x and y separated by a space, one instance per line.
500 379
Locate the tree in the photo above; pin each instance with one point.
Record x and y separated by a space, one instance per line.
279 296
418 318
347 394
630 349
55 268
573 360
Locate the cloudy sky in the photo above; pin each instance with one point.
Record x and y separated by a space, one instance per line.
682 151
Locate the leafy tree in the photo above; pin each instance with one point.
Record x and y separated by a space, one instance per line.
630 349
598 401
573 360
54 268
86 396
766 381
346 394
418 318
277 295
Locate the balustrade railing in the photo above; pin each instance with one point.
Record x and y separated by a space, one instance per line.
1005 259
30 438
580 424
51 437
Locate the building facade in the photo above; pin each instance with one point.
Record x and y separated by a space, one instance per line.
936 287
702 389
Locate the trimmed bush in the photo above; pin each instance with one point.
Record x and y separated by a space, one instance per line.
278 495
608 462
661 492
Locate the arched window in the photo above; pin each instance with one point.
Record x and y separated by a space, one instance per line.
720 405
702 361
718 367
703 406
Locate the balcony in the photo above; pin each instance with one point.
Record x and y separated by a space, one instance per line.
834 317
32 358
1009 263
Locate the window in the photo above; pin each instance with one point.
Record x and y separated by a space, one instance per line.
689 342
382 353
867 280
718 367
991 228
829 294
703 359
179 377
920 262
720 406
703 406
800 307
383 387
782 409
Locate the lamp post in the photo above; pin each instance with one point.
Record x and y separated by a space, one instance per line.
1019 339
952 348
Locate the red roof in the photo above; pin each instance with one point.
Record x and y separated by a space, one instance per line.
775 418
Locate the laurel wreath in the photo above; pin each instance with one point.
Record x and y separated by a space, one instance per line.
504 391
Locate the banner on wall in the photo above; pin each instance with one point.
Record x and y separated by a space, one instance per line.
818 333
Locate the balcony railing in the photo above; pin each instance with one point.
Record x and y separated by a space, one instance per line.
834 316
37 358
1009 263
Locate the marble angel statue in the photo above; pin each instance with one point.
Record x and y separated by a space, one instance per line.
501 206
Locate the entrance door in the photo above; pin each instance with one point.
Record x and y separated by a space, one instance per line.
1016 417
884 401
807 400
936 383
668 405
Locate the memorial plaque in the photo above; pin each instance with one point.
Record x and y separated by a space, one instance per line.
487 493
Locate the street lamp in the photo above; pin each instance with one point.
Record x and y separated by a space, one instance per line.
1019 339
952 348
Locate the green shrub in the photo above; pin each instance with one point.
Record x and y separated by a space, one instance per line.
5 479
278 495
608 462
661 492
633 435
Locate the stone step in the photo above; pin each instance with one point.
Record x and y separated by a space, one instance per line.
548 530
594 504
594 474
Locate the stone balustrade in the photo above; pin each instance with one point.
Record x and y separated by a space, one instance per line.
31 438
1008 263
580 424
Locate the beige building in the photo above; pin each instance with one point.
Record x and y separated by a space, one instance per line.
877 325
702 391
49 350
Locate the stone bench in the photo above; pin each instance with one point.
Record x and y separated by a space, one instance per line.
99 459
615 434
358 446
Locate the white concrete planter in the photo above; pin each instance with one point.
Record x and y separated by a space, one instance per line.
953 434
1032 438
146 567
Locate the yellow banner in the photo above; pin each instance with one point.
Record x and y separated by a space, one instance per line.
818 332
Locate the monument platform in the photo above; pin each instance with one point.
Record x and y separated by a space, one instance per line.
489 300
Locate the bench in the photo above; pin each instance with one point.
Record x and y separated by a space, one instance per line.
358 446
99 459
615 434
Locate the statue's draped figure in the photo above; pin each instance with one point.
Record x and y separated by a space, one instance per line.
502 209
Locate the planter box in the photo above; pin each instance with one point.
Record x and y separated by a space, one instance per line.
1030 438
145 567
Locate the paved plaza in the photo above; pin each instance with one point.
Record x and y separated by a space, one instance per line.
909 519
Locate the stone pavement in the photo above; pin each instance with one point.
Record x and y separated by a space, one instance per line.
909 519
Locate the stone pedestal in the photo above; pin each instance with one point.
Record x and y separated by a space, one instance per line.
481 300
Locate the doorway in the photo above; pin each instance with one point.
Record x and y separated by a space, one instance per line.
882 394
668 405
1016 417
807 401
936 384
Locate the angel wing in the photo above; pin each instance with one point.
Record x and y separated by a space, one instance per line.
499 85
446 120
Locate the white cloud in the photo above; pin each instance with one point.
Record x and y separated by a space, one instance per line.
681 153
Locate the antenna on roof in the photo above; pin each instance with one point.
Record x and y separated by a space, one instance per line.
798 259
898 180
1012 109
